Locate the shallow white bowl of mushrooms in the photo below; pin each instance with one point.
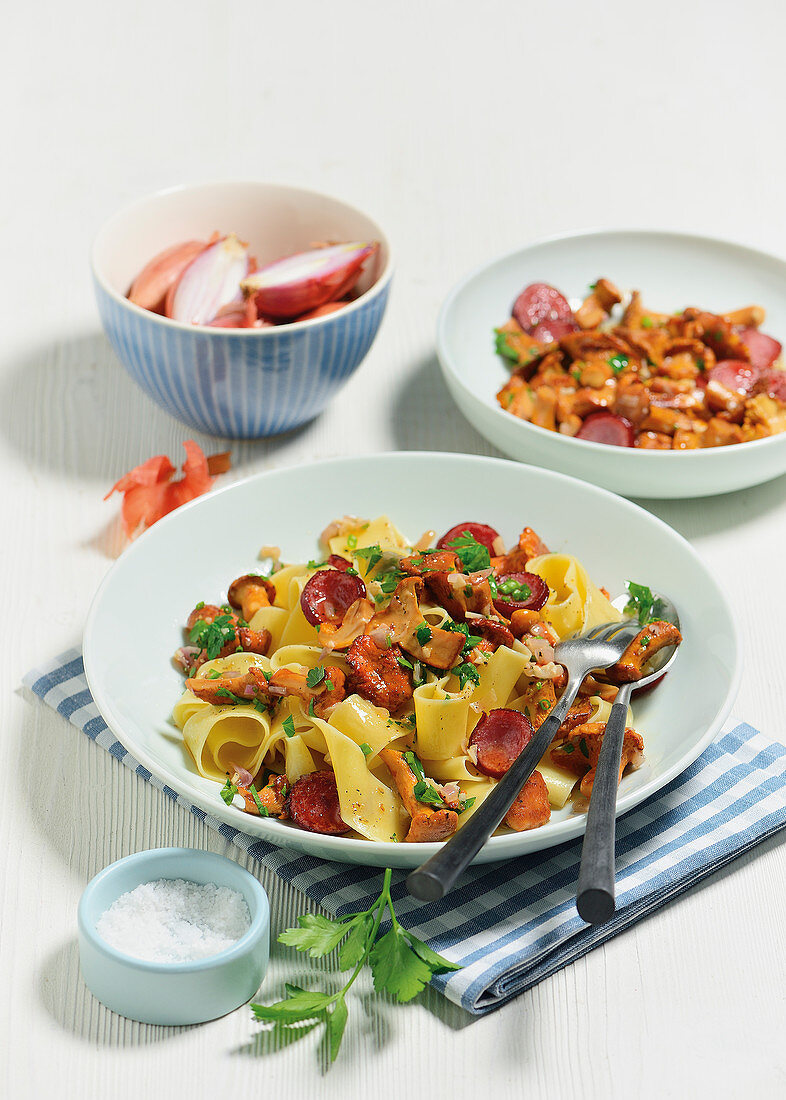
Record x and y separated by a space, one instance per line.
672 271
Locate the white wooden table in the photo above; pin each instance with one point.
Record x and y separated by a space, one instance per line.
467 129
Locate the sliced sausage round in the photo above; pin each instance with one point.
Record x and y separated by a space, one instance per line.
606 427
314 804
540 302
481 532
549 332
734 374
520 592
329 594
763 350
498 738
773 383
339 563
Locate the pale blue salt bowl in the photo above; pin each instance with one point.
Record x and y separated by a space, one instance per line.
173 993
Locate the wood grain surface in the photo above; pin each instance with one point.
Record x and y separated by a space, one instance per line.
467 129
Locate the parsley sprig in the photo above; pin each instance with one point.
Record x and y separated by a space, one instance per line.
643 604
401 964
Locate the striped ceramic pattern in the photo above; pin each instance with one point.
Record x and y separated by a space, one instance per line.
513 924
234 384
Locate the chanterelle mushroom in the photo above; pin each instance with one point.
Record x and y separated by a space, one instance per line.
250 592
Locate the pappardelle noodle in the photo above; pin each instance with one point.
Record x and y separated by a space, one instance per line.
382 692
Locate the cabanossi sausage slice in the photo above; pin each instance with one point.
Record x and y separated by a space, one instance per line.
520 592
480 532
498 738
329 594
539 304
763 350
606 427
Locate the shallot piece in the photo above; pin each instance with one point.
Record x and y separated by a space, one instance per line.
302 283
238 314
151 286
210 282
150 493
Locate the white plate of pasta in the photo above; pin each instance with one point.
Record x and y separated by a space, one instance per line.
336 695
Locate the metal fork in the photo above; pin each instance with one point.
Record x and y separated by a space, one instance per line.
597 649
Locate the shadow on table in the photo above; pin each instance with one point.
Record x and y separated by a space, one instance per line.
69 408
700 516
425 417
374 1021
73 1007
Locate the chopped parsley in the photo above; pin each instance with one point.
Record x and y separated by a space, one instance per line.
200 605
262 809
311 708
328 684
212 637
502 346
467 674
228 791
315 677
645 641
618 362
312 564
289 726
472 554
388 581
646 322
426 794
472 639
423 634
224 693
643 604
370 554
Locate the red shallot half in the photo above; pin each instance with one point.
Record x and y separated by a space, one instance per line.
306 281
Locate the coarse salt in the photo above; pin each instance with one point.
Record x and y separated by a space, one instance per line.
174 921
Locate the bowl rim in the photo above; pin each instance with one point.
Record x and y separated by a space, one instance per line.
264 333
638 455
256 931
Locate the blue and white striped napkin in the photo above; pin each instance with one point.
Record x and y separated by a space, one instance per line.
511 925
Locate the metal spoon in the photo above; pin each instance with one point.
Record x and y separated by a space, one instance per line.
595 895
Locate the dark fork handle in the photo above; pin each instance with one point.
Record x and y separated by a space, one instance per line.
435 877
595 892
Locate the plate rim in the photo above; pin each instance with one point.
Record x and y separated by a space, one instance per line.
386 853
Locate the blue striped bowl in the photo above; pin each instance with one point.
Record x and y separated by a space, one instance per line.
237 383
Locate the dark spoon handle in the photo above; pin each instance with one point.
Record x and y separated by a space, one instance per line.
595 892
435 877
